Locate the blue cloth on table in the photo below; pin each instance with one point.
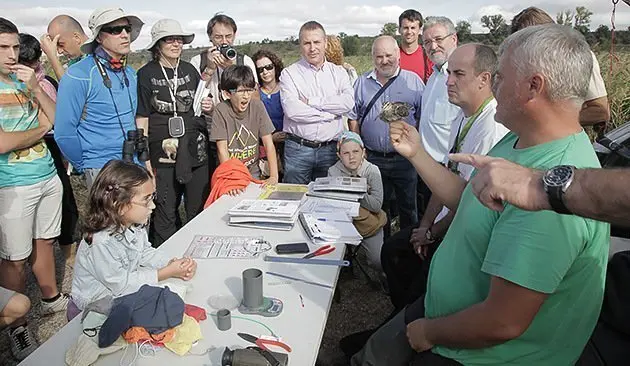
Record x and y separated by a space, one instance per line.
156 309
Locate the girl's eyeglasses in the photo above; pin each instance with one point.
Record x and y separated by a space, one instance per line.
147 201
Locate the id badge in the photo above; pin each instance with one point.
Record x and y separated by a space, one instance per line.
176 127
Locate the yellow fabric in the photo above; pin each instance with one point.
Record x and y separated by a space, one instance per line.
186 334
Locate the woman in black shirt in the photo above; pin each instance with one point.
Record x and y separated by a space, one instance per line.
177 138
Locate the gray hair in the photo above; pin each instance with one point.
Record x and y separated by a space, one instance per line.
485 61
559 53
430 22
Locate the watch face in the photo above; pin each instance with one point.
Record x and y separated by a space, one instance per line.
558 176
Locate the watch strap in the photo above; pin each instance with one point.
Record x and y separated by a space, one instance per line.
555 194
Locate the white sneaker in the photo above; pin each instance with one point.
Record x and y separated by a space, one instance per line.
61 304
22 343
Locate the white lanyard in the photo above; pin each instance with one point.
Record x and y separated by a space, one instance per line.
172 90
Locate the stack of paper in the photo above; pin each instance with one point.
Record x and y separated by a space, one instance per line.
339 188
265 214
330 227
325 205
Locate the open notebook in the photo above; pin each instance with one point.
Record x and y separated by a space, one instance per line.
330 227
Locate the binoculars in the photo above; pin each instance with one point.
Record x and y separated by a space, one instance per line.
136 143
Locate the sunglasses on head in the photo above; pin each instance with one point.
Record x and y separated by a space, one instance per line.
266 67
116 30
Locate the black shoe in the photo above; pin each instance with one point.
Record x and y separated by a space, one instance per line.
353 343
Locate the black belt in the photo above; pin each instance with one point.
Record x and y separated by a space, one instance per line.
383 154
309 143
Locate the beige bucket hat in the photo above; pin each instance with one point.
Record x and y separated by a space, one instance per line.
101 17
168 27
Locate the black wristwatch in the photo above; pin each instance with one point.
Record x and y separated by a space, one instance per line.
556 182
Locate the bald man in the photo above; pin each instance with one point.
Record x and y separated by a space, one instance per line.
393 85
65 36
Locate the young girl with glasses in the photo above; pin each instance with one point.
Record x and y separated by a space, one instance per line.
115 257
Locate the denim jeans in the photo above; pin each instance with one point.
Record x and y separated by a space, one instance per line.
302 164
399 177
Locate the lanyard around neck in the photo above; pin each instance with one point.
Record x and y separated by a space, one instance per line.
462 132
172 89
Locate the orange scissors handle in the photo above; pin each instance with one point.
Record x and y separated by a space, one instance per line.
263 343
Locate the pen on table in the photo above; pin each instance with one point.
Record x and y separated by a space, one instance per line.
331 220
301 300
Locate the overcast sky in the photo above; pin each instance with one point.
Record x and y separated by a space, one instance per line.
279 19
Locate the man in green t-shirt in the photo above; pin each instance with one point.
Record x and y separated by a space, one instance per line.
512 287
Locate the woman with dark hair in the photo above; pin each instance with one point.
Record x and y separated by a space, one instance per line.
268 67
178 140
30 54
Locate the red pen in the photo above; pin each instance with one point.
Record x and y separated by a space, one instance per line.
301 300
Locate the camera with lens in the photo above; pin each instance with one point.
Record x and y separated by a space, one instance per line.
136 143
227 51
253 356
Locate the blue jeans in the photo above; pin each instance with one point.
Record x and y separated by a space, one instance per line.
302 164
399 177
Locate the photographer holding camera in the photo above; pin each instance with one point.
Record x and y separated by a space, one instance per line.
97 99
211 62
221 31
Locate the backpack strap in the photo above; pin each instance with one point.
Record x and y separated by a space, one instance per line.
203 62
240 59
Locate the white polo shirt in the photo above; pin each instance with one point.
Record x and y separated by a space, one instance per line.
484 133
437 114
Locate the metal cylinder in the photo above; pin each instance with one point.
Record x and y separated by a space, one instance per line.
252 288
224 319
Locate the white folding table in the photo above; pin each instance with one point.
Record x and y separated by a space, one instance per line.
301 327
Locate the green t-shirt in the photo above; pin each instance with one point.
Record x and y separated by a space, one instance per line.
564 256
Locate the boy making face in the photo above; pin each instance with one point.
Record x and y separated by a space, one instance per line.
240 122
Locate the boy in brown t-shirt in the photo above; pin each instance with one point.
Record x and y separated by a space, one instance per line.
240 122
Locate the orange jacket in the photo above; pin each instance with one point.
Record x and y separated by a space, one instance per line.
229 175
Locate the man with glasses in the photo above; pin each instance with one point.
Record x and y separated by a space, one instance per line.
30 190
315 94
96 104
439 40
221 32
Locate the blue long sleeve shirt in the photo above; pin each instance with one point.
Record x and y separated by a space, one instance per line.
88 118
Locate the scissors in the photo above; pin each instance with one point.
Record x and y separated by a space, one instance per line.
321 251
262 343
